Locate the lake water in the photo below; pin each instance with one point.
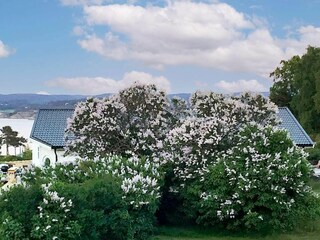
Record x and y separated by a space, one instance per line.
22 126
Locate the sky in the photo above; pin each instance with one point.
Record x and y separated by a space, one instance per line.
101 46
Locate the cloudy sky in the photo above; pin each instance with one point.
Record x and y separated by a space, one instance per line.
99 46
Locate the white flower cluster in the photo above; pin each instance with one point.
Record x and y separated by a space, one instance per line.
254 171
53 214
136 120
194 144
139 176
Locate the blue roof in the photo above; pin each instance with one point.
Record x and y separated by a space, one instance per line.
291 124
50 125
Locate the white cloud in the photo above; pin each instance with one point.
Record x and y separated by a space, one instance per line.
213 35
43 93
4 50
100 85
307 35
241 86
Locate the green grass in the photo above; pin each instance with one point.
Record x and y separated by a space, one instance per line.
307 231
179 233
315 184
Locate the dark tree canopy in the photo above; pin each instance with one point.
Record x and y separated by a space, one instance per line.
297 86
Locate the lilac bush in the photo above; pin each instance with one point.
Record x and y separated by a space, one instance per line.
259 182
194 145
221 157
231 166
133 122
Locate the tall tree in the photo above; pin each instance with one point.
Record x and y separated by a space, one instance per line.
297 85
10 138
284 88
18 142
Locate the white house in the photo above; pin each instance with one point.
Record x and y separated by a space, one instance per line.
48 134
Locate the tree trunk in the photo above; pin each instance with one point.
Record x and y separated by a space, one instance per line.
7 149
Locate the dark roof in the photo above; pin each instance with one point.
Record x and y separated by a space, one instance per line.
291 124
49 126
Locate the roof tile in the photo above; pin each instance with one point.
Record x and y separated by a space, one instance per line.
49 126
290 123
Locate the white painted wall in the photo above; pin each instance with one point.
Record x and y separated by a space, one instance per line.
41 151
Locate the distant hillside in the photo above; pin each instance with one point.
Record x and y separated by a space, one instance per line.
36 98
26 105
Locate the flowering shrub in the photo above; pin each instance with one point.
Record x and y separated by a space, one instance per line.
139 177
134 121
260 182
231 167
247 107
114 196
194 145
215 160
54 220
97 128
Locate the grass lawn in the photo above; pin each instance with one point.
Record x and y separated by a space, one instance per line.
315 184
310 231
172 233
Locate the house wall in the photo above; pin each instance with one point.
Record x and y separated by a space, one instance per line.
41 152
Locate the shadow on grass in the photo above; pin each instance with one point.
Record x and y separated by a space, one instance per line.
307 231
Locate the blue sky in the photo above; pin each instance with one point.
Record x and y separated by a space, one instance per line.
98 46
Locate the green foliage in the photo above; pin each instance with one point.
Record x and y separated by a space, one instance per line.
283 89
78 201
261 183
8 158
54 219
27 154
297 84
18 206
101 211
11 228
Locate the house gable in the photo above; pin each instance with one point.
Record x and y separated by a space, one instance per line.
291 124
49 126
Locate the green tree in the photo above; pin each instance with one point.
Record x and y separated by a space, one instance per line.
11 138
297 85
284 88
17 142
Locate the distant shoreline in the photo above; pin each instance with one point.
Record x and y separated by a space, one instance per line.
18 115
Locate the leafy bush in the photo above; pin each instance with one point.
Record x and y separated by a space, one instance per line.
27 154
8 158
259 183
18 206
54 218
115 198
